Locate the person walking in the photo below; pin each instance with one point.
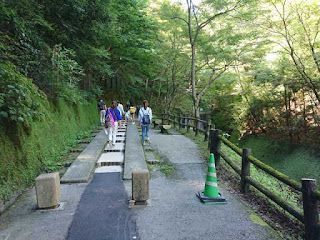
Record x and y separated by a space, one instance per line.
127 116
145 119
120 108
113 117
132 112
102 109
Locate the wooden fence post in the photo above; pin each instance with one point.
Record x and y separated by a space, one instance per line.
181 121
193 124
245 170
187 118
215 145
310 209
162 118
206 135
197 126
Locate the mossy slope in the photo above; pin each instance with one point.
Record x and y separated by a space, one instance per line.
26 152
296 161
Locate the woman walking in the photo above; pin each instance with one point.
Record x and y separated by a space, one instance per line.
145 118
132 110
113 118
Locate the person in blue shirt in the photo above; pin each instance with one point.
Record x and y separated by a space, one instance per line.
115 117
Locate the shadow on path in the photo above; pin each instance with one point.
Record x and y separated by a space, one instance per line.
103 211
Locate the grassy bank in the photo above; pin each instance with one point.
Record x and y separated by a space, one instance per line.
295 160
27 152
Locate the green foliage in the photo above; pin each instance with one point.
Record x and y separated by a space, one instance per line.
23 156
20 99
65 69
292 159
167 168
72 48
64 75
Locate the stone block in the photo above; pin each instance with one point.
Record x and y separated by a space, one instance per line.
140 185
48 190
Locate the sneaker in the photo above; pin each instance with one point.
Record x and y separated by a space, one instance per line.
148 139
144 143
133 123
113 144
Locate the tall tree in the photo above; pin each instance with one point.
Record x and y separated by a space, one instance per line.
295 27
171 47
204 21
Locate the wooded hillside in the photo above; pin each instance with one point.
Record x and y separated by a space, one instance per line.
252 65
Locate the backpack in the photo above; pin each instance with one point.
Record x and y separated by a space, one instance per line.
145 119
101 105
108 120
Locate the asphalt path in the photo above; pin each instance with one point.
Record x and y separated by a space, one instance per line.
103 211
175 213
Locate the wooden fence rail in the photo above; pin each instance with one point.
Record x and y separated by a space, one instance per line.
187 122
310 196
310 214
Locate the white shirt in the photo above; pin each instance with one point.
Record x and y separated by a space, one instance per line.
143 112
120 108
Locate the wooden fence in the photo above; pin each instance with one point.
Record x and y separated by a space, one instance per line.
310 195
186 121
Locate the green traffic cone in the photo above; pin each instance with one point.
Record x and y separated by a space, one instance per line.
211 187
211 194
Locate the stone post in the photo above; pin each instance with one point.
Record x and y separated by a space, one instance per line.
48 190
140 186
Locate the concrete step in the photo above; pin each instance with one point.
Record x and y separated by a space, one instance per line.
151 159
147 147
118 146
111 159
107 169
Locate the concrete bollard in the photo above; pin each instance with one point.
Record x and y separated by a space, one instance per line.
140 186
48 190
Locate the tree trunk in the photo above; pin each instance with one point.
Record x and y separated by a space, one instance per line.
193 82
197 108
288 112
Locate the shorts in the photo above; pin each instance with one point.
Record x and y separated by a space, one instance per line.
131 113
